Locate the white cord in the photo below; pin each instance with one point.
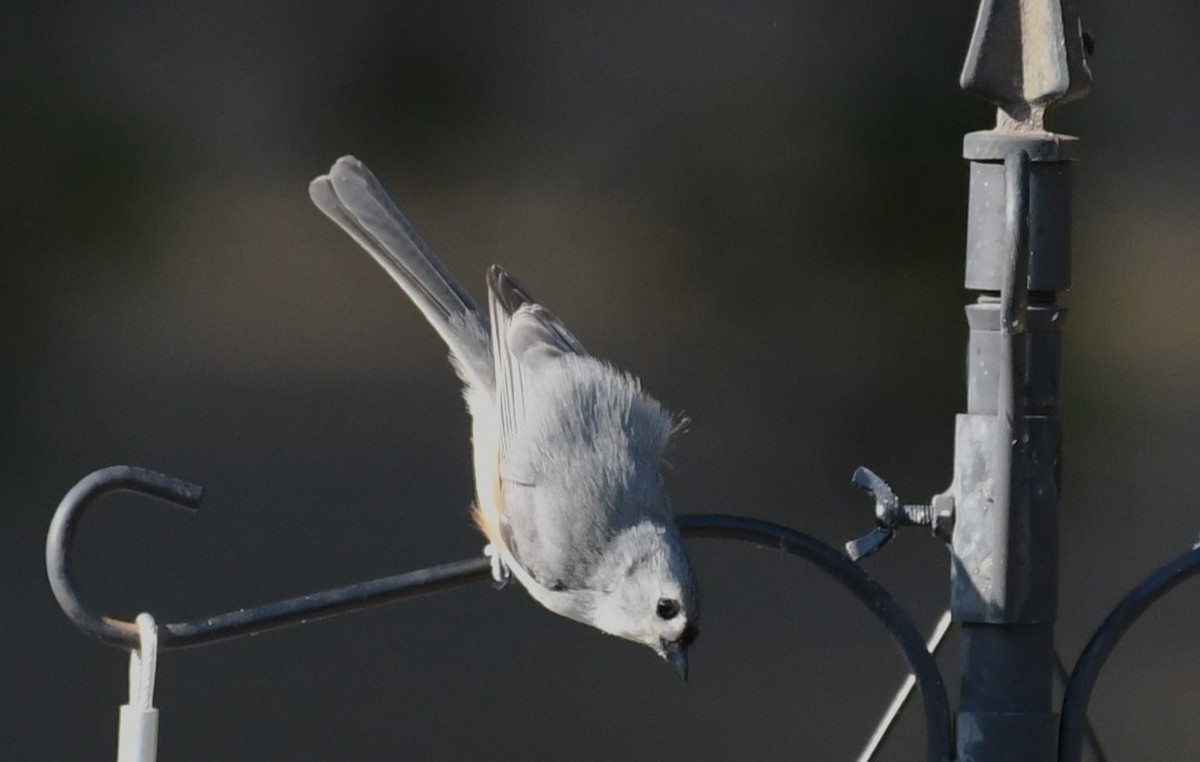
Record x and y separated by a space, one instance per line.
143 663
138 738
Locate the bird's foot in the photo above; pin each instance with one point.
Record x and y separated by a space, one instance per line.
501 576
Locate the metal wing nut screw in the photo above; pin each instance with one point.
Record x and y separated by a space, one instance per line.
891 513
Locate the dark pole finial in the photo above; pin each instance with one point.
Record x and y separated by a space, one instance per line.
1025 56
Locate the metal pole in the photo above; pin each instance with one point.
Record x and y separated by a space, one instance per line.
1024 56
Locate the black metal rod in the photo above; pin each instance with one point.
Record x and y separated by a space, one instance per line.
59 539
359 596
1098 649
1089 732
124 634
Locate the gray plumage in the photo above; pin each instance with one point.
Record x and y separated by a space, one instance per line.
351 196
567 448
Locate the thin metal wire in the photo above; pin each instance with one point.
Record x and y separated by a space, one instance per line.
902 695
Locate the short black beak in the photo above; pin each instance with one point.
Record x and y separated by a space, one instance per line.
677 656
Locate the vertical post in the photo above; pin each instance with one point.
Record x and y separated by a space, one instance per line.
1025 55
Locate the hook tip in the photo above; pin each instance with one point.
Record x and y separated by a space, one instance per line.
171 489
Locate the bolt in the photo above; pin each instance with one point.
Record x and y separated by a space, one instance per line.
917 515
943 516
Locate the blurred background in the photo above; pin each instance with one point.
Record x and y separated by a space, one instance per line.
758 207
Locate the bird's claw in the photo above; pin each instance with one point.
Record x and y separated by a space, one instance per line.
501 576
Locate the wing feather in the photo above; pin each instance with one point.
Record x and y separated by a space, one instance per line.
524 334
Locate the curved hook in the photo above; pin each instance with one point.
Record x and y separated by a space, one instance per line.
114 632
123 634
1100 647
939 735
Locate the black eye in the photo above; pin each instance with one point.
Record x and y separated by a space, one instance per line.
668 608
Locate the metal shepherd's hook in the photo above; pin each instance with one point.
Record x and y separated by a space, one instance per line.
124 634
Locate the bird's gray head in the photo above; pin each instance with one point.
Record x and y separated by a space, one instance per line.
652 598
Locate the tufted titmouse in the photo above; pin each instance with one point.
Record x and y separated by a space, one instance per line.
567 449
